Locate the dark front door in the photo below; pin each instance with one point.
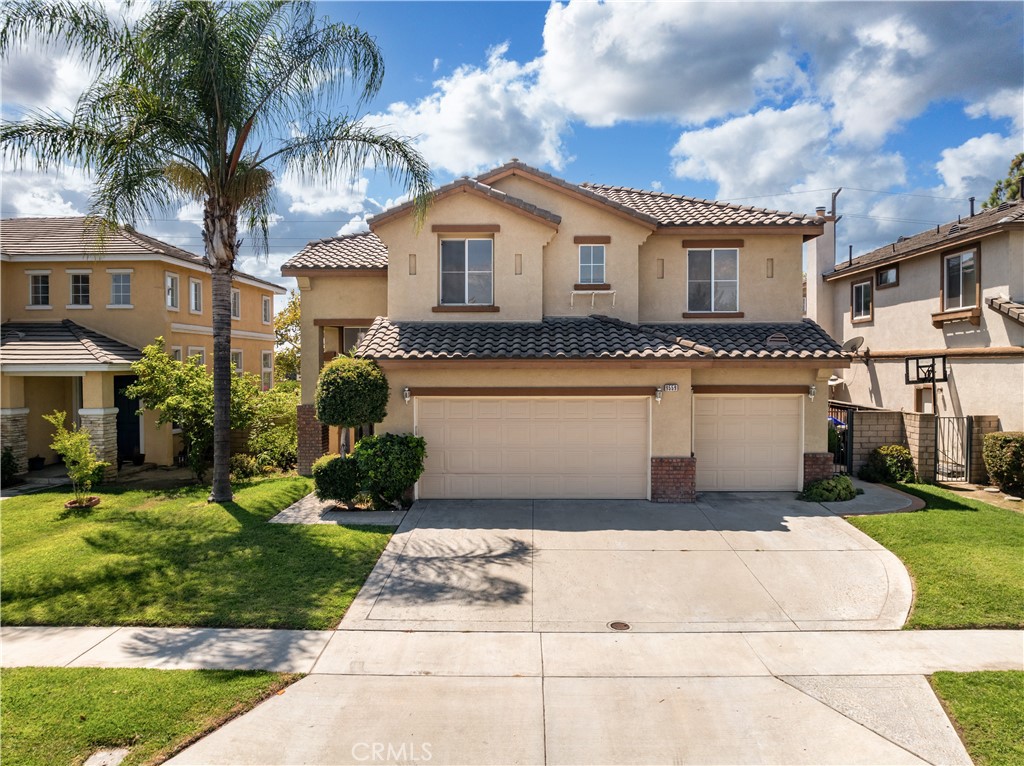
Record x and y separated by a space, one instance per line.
128 443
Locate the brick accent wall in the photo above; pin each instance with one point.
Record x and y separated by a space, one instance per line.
817 466
673 479
982 424
920 429
873 428
312 438
102 430
14 434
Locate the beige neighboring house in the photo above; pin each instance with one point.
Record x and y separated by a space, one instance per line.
550 339
955 291
74 319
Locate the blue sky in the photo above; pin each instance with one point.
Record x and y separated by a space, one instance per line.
910 107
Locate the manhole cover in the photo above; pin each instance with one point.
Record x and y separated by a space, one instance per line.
618 625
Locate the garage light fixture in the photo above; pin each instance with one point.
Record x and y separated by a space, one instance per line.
657 394
812 391
406 394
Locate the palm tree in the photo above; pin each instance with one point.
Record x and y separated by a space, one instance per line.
207 101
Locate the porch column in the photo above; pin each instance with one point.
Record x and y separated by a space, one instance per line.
14 418
99 417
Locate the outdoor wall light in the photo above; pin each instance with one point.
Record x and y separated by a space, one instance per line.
812 391
657 394
406 394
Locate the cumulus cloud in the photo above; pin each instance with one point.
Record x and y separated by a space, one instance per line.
28 193
354 226
1006 103
317 197
969 168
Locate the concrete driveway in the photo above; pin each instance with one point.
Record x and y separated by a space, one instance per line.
731 562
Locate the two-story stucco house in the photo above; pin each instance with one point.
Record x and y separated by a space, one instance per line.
550 339
75 318
955 291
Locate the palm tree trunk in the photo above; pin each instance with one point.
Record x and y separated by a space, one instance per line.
220 227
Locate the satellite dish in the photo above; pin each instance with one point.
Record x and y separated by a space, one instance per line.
853 345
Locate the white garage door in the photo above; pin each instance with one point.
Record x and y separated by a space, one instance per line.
748 442
542 448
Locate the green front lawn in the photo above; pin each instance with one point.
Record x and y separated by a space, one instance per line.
988 710
169 558
63 715
966 558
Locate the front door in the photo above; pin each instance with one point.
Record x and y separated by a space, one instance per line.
129 441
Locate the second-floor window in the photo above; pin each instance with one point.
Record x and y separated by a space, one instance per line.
713 280
80 289
862 303
39 290
960 281
591 264
267 370
268 310
171 291
121 289
467 272
195 296
236 303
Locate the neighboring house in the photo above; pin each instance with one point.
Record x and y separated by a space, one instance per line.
74 319
558 340
955 291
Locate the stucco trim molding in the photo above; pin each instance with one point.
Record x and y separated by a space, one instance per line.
98 411
10 412
963 353
198 329
555 391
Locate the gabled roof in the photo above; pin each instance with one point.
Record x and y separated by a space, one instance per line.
61 344
596 338
74 236
1010 214
363 251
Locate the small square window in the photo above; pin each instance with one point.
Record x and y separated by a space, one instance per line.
176 353
712 280
197 355
80 289
467 272
236 303
39 290
863 306
121 289
591 264
887 277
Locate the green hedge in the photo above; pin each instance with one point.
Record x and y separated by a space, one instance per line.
389 464
829 490
888 463
351 392
1004 460
336 477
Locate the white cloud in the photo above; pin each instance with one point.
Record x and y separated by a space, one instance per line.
1008 102
317 197
436 64
29 193
971 167
355 226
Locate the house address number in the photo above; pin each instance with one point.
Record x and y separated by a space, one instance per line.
670 387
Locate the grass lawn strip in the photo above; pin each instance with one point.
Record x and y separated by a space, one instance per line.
965 557
987 709
63 715
168 558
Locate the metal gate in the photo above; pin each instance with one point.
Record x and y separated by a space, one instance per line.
953 448
840 437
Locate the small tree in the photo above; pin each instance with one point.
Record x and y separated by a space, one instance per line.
288 333
75 447
183 394
1008 188
351 392
273 438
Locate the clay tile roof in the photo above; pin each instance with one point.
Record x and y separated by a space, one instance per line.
351 251
987 221
757 340
76 236
552 338
677 210
63 343
1005 306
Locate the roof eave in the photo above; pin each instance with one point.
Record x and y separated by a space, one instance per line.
322 271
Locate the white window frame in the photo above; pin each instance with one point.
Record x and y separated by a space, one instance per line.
592 250
195 306
199 351
869 285
72 273
946 305
465 270
239 369
715 253
32 274
268 310
176 354
114 273
267 370
236 303
172 291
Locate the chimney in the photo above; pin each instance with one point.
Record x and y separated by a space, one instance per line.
849 258
972 207
820 211
820 255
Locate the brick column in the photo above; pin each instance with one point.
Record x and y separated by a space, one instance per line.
101 423
920 429
673 479
817 466
312 438
981 425
14 434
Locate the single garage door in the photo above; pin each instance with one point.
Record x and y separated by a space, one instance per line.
748 442
527 447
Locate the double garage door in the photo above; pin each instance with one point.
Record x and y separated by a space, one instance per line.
520 447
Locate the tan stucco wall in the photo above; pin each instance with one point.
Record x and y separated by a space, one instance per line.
158 443
413 297
761 298
43 396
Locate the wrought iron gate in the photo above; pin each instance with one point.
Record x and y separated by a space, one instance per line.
953 448
840 437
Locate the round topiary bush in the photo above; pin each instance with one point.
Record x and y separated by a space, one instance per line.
336 477
832 490
888 463
1004 460
389 464
351 392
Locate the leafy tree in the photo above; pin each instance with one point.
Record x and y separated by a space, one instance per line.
75 447
274 433
183 394
207 101
1009 187
351 392
288 332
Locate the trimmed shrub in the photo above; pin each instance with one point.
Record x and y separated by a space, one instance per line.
389 464
336 477
351 392
244 466
837 488
888 463
273 435
8 466
1004 460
